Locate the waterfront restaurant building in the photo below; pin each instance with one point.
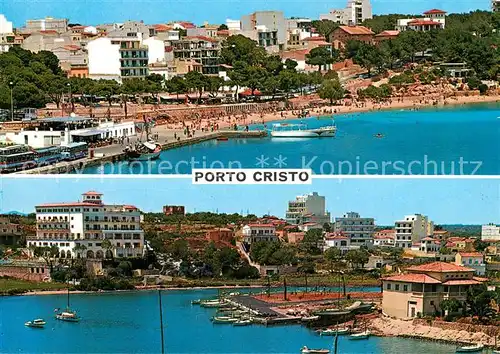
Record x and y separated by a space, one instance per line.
79 228
422 289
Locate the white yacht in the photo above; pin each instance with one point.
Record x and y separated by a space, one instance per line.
284 130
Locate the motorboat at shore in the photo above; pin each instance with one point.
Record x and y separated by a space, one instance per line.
475 348
38 323
333 331
146 151
285 130
360 335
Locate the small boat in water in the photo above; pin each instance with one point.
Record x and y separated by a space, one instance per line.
195 302
475 348
360 335
68 315
38 323
306 350
224 319
222 138
242 322
332 331
284 130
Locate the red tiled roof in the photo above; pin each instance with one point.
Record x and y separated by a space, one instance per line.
261 225
471 254
162 27
92 193
383 237
462 282
428 238
388 34
441 267
440 232
356 30
187 25
318 38
72 47
132 207
413 278
434 11
201 38
48 31
424 23
337 237
480 279
295 54
223 32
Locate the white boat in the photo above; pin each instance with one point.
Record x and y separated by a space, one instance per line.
360 335
471 348
224 319
38 323
68 316
284 130
242 322
306 350
309 318
332 331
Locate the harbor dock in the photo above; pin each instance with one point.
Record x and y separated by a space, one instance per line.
114 153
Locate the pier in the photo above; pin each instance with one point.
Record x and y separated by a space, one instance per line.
114 153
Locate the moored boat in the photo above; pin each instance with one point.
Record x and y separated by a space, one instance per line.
475 348
360 335
38 323
195 302
224 319
242 322
68 316
332 331
301 131
306 350
146 151
309 318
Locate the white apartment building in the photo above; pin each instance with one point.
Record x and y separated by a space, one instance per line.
79 228
59 25
495 5
412 229
490 232
359 230
104 59
354 13
259 232
338 241
156 50
307 208
269 28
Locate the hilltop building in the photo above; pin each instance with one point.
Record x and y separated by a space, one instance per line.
10 231
7 36
358 230
354 13
432 20
412 229
343 34
308 208
173 210
258 233
78 229
474 260
421 291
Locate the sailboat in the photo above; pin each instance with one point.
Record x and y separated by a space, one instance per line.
68 315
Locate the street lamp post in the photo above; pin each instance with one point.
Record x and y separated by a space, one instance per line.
69 96
11 86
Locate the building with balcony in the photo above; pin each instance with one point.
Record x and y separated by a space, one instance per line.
204 50
490 232
384 238
421 290
474 260
337 240
359 230
412 229
78 229
307 208
270 27
258 233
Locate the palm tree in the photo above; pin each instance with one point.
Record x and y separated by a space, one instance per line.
78 249
108 246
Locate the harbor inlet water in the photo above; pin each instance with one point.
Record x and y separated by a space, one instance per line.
128 322
434 141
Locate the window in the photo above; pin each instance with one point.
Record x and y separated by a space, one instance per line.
388 286
405 287
396 287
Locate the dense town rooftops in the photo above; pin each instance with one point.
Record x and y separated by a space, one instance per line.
439 267
356 30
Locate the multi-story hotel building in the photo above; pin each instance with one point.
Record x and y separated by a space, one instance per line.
359 230
69 226
412 229
307 208
204 50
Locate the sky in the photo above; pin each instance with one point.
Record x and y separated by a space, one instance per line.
445 201
92 12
